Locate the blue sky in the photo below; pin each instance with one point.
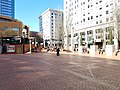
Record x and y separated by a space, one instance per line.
28 11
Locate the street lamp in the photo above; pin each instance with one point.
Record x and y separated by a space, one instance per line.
30 41
1 45
23 42
30 45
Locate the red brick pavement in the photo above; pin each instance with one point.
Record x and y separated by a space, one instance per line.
44 71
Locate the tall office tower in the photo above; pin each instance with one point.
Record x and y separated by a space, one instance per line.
51 25
89 22
7 8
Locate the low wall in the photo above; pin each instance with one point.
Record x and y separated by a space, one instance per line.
18 49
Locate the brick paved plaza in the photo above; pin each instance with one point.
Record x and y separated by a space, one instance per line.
45 71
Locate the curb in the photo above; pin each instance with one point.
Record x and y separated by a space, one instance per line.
90 55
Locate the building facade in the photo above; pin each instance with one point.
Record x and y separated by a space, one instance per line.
51 25
7 23
89 22
7 8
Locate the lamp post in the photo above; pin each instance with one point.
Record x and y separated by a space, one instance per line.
1 46
30 45
23 44
30 42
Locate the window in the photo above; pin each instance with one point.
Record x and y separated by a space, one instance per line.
56 14
100 15
75 7
107 12
88 18
51 16
88 6
107 19
100 8
75 1
106 29
84 20
100 21
91 17
111 18
51 13
66 2
96 22
100 1
15 29
111 4
5 28
107 5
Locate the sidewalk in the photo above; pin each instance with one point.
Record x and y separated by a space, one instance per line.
92 55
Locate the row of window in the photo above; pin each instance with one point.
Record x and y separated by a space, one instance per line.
71 9
70 1
107 36
107 19
6 10
55 14
98 36
15 29
97 22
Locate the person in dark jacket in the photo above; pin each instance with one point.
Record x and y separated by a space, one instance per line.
58 50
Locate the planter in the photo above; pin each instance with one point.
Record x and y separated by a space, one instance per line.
109 50
93 49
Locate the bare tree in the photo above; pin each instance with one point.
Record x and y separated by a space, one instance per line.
117 21
61 34
40 37
81 39
10 33
37 35
114 27
68 28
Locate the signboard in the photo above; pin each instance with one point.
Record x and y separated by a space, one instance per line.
10 48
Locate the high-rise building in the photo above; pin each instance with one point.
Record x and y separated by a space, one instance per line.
51 25
92 21
7 8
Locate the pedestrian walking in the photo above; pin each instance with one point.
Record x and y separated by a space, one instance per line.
58 50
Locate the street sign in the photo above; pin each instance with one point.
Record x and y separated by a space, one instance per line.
10 48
